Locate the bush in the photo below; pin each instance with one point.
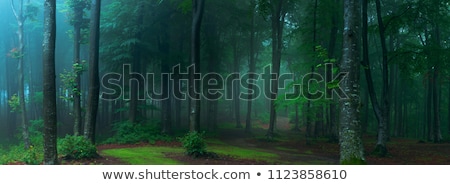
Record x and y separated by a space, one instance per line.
76 147
32 156
194 144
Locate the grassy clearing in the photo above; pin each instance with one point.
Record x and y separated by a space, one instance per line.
144 155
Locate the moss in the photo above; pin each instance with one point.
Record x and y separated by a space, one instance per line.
353 161
144 155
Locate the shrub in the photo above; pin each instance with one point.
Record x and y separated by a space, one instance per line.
194 144
76 147
32 156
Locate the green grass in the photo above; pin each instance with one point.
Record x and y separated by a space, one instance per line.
144 155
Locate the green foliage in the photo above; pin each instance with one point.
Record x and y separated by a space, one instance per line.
32 156
75 6
131 133
36 127
264 117
18 154
31 11
38 97
15 53
194 144
76 147
14 103
68 79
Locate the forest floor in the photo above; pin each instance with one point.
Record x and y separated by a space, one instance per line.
234 146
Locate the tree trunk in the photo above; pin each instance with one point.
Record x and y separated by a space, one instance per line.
136 87
332 124
236 86
448 109
380 110
76 90
428 108
252 66
436 120
351 148
194 109
94 82
164 47
49 88
277 43
213 43
23 109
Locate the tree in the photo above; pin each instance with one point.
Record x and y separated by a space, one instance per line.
277 19
94 84
351 148
49 89
197 15
21 16
78 22
252 66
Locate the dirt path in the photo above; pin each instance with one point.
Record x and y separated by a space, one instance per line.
289 152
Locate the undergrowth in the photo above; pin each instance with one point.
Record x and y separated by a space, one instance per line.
131 133
76 147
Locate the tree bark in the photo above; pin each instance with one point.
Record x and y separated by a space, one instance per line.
49 88
351 148
94 82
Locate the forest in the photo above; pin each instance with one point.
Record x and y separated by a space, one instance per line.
224 82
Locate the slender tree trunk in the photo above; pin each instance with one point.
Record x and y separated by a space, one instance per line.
23 109
436 123
351 148
94 82
213 43
428 108
332 124
448 109
277 43
437 136
136 87
236 86
252 66
49 88
164 47
194 109
308 103
76 90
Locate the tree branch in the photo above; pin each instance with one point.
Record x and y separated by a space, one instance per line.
14 10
